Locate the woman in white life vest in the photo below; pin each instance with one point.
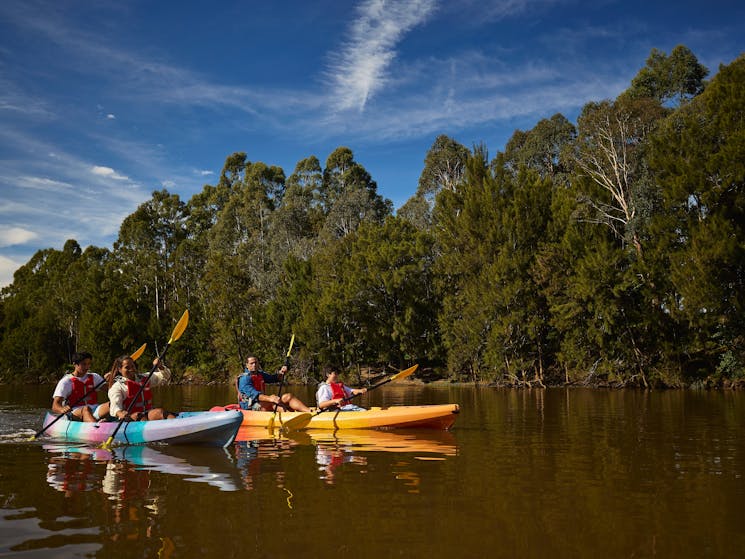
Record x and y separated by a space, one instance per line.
75 393
333 392
124 387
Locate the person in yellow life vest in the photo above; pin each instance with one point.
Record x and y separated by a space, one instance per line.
78 389
124 387
333 392
251 388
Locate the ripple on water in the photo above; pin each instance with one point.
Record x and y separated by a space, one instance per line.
18 424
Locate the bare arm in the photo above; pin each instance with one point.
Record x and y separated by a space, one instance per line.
59 406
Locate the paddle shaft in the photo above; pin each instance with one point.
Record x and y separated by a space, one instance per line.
270 424
282 380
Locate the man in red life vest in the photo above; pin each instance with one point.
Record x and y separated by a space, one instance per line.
251 387
78 389
333 392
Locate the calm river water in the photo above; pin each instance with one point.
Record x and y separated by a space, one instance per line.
545 473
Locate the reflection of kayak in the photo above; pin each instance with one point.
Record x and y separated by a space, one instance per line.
209 429
200 465
386 441
441 416
434 442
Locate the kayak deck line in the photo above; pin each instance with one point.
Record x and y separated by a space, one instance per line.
437 416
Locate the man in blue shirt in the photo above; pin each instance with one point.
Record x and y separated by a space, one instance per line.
251 387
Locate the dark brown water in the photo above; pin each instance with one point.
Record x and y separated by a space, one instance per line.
556 473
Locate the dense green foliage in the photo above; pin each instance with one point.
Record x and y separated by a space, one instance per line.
611 250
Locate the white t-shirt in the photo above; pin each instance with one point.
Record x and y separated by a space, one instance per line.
64 386
118 391
324 393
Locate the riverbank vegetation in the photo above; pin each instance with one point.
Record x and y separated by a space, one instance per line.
607 251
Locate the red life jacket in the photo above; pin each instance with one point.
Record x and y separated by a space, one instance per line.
81 386
144 402
77 475
134 483
258 381
337 390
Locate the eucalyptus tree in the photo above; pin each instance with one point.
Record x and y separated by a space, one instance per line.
416 210
673 79
240 272
699 157
444 167
263 192
199 269
296 221
202 212
615 185
66 301
349 196
145 249
542 149
41 319
307 182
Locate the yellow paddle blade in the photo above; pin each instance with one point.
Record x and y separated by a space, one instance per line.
297 423
107 444
137 354
292 341
270 424
405 373
180 326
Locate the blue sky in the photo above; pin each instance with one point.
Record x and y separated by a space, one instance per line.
103 102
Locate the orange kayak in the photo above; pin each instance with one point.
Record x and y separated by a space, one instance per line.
440 416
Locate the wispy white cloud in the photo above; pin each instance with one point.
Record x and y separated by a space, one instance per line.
358 70
38 183
10 236
472 89
108 172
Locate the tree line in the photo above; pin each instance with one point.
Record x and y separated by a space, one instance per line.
607 251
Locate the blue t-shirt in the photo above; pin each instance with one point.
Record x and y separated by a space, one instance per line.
248 390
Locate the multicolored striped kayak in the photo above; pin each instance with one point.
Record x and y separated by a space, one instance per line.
198 428
440 416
